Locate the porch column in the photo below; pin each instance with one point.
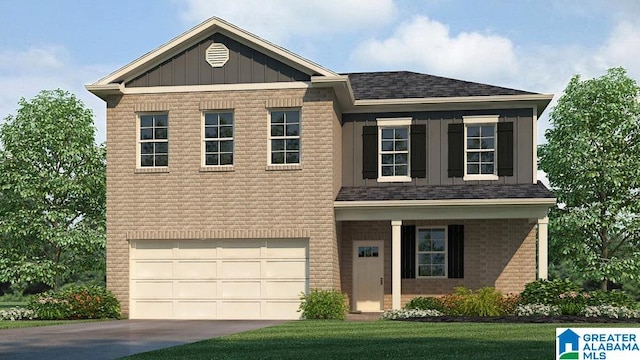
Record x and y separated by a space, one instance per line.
396 288
543 243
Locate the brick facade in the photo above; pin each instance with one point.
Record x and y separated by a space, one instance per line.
251 201
498 253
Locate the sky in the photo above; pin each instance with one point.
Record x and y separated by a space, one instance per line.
533 45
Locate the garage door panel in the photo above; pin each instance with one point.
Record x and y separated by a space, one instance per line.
285 289
204 310
152 289
197 249
153 249
275 310
240 269
285 269
195 289
241 248
152 309
155 269
198 269
287 249
241 310
241 290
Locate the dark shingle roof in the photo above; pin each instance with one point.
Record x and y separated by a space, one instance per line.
445 192
408 85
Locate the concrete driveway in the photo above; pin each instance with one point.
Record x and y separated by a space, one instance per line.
113 339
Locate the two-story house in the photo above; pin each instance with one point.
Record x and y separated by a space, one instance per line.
240 175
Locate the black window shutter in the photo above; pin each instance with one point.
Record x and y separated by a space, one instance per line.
370 152
408 251
456 150
456 251
418 151
505 149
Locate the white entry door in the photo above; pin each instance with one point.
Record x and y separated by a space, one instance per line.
368 276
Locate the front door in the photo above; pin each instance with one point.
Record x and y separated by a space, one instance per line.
368 276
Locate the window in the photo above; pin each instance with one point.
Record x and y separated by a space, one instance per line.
367 251
285 137
480 147
431 252
154 140
393 157
218 139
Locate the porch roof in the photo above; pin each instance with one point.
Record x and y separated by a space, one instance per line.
445 192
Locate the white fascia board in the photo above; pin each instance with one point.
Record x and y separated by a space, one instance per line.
451 103
198 31
220 87
476 210
453 202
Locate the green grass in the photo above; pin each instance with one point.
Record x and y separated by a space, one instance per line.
377 340
5 324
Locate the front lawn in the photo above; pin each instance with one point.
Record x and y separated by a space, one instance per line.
6 324
378 340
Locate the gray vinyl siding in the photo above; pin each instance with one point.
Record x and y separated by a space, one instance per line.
437 152
245 65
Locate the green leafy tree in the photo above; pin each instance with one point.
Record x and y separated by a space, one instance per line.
592 159
52 192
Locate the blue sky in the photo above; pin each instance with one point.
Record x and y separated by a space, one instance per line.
534 45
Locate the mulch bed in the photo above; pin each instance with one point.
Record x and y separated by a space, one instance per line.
522 319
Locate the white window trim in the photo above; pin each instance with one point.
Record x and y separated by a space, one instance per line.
383 123
285 166
140 141
446 252
203 161
481 120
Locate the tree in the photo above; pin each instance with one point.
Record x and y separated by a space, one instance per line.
52 191
592 159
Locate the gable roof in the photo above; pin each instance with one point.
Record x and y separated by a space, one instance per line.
407 85
197 33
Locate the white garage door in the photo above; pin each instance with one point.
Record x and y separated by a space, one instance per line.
217 279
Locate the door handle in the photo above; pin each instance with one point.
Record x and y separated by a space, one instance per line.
381 281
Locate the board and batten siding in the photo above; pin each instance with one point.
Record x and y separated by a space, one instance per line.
437 146
245 65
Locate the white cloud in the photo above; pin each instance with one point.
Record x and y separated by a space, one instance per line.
622 49
24 73
427 45
279 20
34 59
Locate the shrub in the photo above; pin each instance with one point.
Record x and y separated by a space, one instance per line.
76 302
508 303
547 291
536 310
409 313
17 313
618 312
323 304
425 303
614 298
486 301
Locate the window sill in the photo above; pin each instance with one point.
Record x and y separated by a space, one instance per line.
151 170
394 179
431 277
221 168
480 177
284 167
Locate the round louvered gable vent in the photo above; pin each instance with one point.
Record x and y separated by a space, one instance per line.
217 55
